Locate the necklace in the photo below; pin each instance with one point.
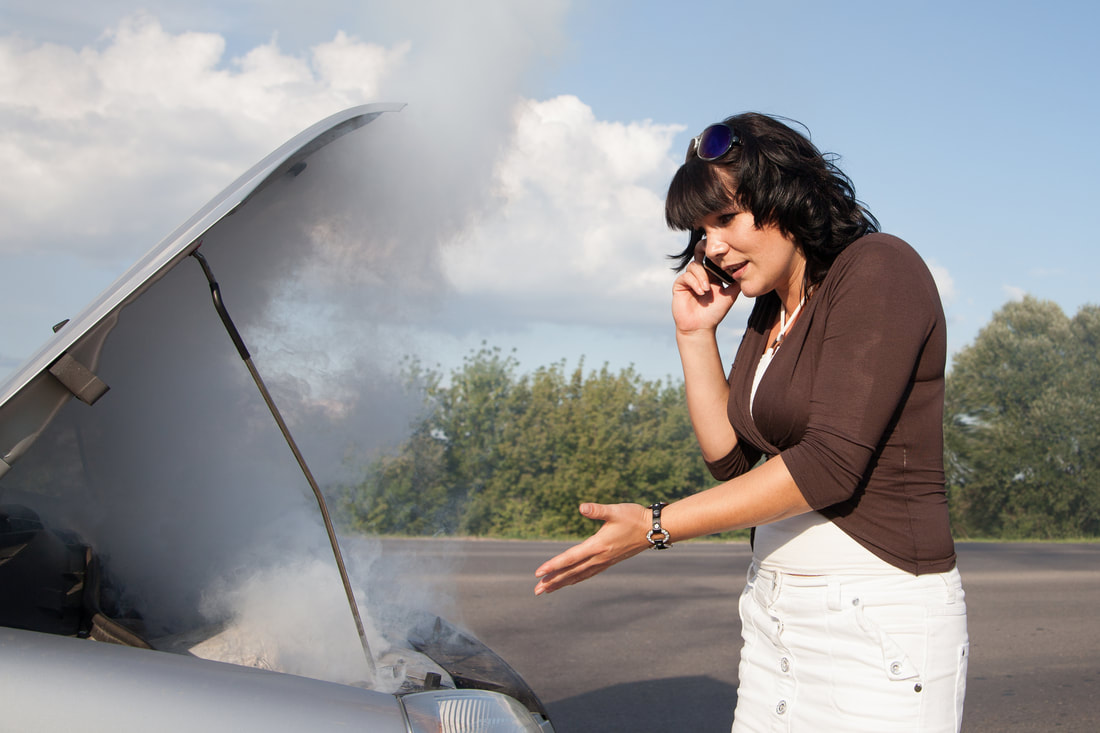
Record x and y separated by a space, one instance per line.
785 324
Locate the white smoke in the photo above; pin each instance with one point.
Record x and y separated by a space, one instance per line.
110 143
289 617
423 224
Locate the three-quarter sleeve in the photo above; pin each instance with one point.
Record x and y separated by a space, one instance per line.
739 460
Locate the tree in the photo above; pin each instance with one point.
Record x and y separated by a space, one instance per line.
495 453
1022 425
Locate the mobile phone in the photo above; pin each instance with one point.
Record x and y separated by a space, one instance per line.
717 272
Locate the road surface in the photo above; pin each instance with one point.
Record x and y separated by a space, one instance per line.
653 643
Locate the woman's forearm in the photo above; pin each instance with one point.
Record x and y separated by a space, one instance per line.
765 494
707 392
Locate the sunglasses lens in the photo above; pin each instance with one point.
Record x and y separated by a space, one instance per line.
714 142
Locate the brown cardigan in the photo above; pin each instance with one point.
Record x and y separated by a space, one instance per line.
853 400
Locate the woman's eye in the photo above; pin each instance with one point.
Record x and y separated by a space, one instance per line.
725 219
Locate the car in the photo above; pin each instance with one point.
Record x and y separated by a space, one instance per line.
167 557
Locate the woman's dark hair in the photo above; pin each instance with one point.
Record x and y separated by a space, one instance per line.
779 176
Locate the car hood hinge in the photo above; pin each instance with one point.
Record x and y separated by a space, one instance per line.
78 379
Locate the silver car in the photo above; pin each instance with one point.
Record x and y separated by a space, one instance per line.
167 558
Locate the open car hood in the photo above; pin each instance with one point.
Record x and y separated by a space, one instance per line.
141 467
36 391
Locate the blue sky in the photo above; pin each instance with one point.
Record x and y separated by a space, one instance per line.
967 128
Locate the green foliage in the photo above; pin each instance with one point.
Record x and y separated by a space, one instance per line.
1022 425
500 454
497 453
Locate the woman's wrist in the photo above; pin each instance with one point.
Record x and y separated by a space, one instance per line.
645 517
657 536
703 335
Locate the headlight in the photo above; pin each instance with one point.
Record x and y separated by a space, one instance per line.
467 711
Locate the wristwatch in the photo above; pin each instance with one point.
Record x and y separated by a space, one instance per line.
663 540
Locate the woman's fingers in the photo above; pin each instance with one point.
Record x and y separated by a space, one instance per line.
696 279
572 576
573 556
585 568
621 536
699 304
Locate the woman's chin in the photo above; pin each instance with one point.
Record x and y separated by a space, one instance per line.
748 290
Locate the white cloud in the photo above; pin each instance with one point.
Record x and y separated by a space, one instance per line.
581 218
355 67
1013 292
104 143
545 212
944 282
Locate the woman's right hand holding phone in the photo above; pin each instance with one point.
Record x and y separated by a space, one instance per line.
699 300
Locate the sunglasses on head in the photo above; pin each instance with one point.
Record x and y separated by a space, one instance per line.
714 142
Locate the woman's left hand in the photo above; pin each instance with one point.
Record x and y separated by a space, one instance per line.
622 535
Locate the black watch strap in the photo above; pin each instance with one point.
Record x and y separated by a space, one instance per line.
658 536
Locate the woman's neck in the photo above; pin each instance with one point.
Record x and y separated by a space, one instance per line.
791 298
793 292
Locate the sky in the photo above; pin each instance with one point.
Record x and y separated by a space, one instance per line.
966 127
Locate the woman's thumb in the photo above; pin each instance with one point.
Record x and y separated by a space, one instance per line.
593 510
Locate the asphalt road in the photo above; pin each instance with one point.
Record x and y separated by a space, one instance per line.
653 643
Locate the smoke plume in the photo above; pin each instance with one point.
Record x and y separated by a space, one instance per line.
178 477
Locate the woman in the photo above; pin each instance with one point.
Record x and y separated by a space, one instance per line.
853 615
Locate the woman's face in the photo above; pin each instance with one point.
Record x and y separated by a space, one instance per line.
759 260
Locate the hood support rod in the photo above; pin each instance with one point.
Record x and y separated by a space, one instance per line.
234 334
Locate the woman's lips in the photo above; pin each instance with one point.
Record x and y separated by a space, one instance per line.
736 270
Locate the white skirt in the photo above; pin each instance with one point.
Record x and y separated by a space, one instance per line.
851 652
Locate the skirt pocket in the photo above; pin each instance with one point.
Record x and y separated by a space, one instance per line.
879 657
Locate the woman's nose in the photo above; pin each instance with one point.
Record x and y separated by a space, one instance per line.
713 245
